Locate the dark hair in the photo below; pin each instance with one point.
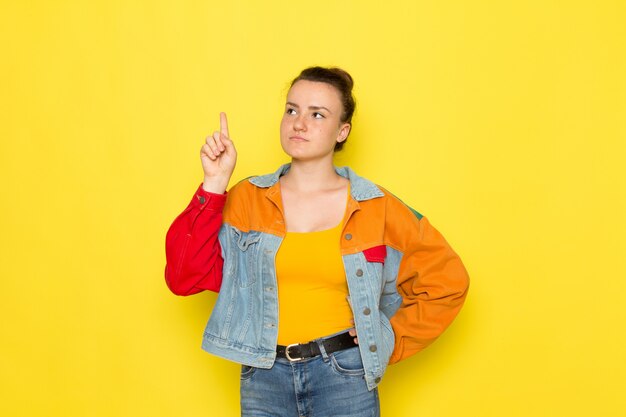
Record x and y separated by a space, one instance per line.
339 79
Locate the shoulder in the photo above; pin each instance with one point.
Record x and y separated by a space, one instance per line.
238 199
257 184
378 196
403 225
395 204
241 189
249 192
369 194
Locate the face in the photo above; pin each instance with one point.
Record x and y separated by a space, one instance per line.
311 124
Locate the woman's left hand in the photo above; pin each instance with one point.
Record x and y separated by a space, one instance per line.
352 332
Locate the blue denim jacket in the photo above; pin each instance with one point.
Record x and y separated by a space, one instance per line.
243 324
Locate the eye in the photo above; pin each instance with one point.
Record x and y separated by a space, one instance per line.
318 115
290 110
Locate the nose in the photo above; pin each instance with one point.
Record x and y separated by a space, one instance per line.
299 123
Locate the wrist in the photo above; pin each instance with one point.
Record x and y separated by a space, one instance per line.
214 185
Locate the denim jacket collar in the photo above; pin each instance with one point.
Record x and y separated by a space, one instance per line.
361 189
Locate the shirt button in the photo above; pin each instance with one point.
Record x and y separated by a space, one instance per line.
373 348
348 236
377 380
367 311
359 272
201 199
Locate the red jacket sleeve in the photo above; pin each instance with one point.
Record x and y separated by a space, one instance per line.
192 249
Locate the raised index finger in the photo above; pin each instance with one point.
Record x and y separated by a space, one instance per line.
224 124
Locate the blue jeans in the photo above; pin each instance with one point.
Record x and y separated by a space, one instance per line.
329 385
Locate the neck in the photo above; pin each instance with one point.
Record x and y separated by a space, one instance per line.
311 175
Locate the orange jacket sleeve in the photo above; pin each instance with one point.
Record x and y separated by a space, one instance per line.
433 284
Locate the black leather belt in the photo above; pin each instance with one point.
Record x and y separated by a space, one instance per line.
296 352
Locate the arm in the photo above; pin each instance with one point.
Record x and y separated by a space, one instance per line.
194 255
433 284
193 252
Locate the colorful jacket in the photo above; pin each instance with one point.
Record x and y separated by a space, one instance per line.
406 284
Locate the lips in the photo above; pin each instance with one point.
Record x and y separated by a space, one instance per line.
298 139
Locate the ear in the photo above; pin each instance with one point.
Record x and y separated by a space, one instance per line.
343 132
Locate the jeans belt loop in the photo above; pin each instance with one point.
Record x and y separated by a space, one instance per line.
320 343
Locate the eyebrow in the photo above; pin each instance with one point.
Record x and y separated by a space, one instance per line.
310 107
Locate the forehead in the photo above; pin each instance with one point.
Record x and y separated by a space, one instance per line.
314 93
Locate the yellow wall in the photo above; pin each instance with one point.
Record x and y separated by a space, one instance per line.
503 122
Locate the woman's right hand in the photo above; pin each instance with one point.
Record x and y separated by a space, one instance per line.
218 156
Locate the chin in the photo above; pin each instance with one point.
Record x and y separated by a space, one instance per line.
293 149
304 153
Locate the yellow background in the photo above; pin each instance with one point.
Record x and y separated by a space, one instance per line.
503 122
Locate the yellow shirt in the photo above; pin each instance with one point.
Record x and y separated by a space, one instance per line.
312 287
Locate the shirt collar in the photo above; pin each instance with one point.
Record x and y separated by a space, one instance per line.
361 189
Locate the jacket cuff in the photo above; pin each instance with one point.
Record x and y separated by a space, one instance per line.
205 200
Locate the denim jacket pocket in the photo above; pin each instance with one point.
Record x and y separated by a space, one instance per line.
247 244
375 263
388 338
376 254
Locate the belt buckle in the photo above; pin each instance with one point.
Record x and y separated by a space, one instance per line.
288 356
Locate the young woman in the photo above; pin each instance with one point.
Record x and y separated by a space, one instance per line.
324 278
